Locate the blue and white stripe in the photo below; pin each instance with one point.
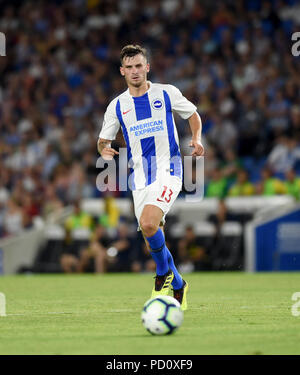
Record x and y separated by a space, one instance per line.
149 131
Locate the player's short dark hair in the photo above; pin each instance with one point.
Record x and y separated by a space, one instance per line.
132 50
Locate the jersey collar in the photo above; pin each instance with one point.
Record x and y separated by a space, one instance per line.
150 88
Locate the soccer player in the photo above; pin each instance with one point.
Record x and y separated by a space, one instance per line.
145 113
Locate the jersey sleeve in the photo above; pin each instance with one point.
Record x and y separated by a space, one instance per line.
181 104
111 124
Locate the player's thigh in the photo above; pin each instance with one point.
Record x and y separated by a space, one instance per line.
163 195
160 194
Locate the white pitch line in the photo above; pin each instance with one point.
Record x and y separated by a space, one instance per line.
119 310
64 312
36 313
255 307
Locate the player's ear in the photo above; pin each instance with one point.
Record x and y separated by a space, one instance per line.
148 67
122 71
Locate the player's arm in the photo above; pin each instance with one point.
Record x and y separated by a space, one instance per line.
188 111
196 129
108 133
105 149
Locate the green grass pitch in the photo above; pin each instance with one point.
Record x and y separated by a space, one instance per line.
229 313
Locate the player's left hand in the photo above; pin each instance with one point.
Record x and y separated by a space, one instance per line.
198 148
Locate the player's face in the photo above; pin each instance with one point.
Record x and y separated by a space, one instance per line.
135 70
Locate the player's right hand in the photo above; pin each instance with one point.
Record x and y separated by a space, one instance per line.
198 148
108 153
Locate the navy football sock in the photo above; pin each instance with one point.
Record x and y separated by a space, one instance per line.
158 252
177 281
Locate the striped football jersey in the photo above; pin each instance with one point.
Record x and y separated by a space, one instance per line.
149 130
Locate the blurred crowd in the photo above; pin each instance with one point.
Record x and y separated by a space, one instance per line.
111 243
232 59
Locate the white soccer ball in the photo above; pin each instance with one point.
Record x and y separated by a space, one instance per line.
162 315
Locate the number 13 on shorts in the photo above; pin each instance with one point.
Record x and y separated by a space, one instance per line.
166 195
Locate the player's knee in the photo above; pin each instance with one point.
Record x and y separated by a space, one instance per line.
148 227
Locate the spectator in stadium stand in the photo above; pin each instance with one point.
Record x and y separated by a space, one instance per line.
211 162
78 187
52 202
120 252
277 113
4 192
294 122
284 155
93 258
216 187
230 165
77 259
278 160
223 133
191 255
110 218
141 258
242 186
13 218
30 206
223 255
51 159
112 210
78 219
292 184
221 216
269 185
69 257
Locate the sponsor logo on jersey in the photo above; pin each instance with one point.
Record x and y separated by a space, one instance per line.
147 127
